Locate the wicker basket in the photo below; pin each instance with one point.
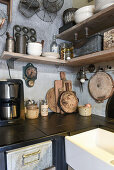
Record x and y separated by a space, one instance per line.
84 111
32 113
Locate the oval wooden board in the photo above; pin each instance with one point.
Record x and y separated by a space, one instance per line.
50 97
101 86
68 102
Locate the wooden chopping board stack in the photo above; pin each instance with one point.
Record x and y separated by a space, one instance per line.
61 98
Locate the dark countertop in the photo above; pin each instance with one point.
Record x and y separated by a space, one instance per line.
34 131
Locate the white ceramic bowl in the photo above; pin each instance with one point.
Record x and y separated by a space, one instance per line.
82 16
84 13
34 49
89 8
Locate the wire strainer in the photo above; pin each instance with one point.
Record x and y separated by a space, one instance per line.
53 5
28 7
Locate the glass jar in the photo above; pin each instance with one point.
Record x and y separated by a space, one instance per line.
68 54
63 50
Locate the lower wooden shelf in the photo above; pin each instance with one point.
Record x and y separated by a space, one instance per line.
102 56
29 58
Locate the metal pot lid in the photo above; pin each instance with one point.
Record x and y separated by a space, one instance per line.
101 86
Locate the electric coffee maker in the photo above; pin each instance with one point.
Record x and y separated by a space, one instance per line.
11 100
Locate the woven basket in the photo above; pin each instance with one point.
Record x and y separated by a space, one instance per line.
32 114
84 111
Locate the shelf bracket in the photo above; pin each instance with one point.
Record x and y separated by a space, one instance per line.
10 63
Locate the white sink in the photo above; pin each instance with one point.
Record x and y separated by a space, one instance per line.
90 150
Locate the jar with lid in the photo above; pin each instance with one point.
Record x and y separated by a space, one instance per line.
68 54
63 50
32 111
44 109
71 47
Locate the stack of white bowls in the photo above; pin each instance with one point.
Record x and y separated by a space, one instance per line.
83 13
34 48
102 4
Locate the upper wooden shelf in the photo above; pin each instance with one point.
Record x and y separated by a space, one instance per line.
102 56
98 22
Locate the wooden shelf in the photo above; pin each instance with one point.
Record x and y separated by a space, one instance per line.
29 58
98 22
102 56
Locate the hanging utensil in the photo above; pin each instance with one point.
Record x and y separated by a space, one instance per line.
53 5
28 7
101 86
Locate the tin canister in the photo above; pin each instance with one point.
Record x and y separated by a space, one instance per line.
10 44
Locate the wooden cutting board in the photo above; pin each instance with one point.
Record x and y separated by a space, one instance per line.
101 86
68 102
50 97
57 85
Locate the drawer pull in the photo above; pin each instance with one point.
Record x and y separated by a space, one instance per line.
31 154
35 161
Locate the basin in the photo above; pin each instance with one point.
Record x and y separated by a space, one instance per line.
90 150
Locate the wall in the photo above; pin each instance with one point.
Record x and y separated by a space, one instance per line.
46 73
45 30
81 3
84 97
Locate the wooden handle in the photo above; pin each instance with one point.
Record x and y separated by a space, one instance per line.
63 75
67 86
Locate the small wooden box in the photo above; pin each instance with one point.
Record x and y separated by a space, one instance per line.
109 39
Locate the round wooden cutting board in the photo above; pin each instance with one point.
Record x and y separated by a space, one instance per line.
101 86
50 97
68 102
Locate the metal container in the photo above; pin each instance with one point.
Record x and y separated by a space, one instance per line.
93 44
8 90
21 44
63 50
10 44
9 111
